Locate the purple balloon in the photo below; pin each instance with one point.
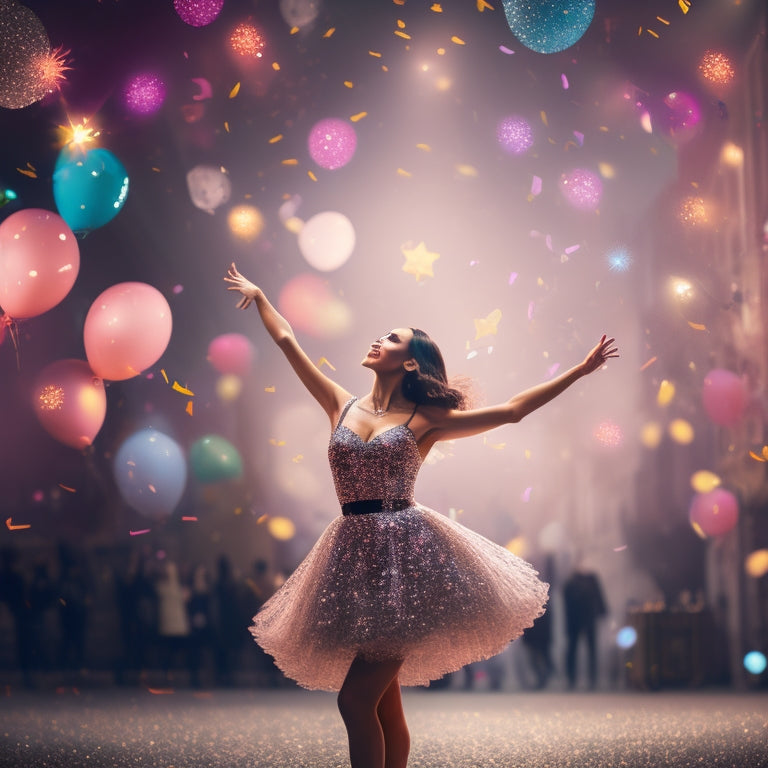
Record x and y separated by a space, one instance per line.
714 513
198 13
724 396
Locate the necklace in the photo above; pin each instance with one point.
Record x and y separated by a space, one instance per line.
378 412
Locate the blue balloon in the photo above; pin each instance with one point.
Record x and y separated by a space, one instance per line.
549 26
89 187
151 473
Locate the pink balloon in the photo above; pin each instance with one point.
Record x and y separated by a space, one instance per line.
714 513
231 353
70 402
39 262
127 329
724 397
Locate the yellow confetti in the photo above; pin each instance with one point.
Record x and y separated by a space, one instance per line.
277 138
298 458
418 261
457 40
275 66
312 175
235 90
294 30
697 326
436 8
402 34
684 6
67 488
11 527
400 24
666 393
424 147
349 84
176 387
651 32
487 326
156 170
190 408
482 5
26 172
290 161
165 375
358 116
226 126
329 32
269 389
402 172
544 118
466 170
663 21
278 443
324 361
648 363
261 519
374 53
756 457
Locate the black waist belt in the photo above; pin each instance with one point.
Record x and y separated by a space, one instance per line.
367 506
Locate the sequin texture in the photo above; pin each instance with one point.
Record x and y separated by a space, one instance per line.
409 584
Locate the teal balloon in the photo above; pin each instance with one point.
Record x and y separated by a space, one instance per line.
213 459
89 187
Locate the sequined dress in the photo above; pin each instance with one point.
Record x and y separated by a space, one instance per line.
407 584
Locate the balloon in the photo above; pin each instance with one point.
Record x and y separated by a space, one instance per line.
231 353
582 188
327 240
127 329
150 472
144 94
332 143
39 262
545 26
309 305
89 187
70 402
299 13
209 187
724 397
682 115
714 513
198 13
212 458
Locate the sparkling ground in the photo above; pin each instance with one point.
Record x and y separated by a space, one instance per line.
449 729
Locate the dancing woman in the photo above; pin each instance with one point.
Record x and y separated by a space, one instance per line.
394 593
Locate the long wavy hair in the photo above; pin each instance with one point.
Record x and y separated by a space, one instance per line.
428 384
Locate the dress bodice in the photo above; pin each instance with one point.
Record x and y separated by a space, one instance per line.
384 467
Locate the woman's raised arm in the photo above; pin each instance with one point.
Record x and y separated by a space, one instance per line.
327 392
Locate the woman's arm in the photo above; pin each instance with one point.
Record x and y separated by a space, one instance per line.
327 392
449 425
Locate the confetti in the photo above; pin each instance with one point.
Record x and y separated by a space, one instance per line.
189 519
140 532
324 361
375 54
312 175
277 443
436 8
176 387
457 40
28 171
620 549
512 277
235 90
424 147
487 326
536 186
358 116
11 527
403 172
697 326
269 389
526 494
290 161
277 138
504 49
418 261
349 84
67 488
684 5
298 458
190 408
329 32
648 363
564 82
402 34
482 5
531 306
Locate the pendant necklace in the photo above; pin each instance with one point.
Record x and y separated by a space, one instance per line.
378 412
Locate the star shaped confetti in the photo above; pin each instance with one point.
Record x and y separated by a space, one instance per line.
418 261
487 325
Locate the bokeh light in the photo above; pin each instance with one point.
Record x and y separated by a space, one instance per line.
755 662
651 434
681 431
619 259
547 27
756 563
666 393
514 135
626 637
145 93
704 481
716 68
281 528
327 240
332 143
228 387
51 397
582 189
608 434
309 306
693 212
198 13
245 222
247 41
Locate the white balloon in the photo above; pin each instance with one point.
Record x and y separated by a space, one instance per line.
209 187
327 240
299 13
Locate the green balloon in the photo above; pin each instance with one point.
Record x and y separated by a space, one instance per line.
212 459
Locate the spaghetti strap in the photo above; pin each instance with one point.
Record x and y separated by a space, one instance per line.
344 412
413 413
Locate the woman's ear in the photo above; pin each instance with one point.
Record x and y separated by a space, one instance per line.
411 365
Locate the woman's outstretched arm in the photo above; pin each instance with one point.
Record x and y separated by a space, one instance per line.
454 424
327 392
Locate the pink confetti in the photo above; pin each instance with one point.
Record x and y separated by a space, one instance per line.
564 81
504 49
548 241
572 249
177 289
474 263
526 494
139 533
552 370
620 549
579 138
512 277
530 309
536 186
189 518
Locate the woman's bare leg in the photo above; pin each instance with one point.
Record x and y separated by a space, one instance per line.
359 697
397 740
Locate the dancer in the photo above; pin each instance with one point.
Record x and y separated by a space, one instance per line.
394 593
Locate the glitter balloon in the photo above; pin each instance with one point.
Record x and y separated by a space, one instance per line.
299 13
716 68
515 135
608 434
582 189
144 94
693 212
198 13
30 70
332 143
548 27
246 41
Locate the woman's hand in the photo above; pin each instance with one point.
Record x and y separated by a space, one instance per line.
599 355
242 284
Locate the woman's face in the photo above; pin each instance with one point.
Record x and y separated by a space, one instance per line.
390 351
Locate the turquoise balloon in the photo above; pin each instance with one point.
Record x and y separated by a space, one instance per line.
89 187
213 459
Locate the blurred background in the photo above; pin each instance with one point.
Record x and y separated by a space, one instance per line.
512 179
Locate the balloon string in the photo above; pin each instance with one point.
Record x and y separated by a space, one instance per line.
6 321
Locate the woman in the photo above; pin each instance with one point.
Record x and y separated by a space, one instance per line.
394 593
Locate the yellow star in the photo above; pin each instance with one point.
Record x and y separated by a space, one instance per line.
418 261
488 325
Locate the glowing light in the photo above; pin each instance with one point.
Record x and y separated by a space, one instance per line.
650 435
582 189
619 259
682 289
683 111
756 564
549 27
228 387
515 135
731 154
51 397
245 222
198 13
716 68
681 431
626 637
704 481
281 528
608 434
755 662
144 94
246 41
50 69
693 212
332 143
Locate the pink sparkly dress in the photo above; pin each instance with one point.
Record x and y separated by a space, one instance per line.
403 582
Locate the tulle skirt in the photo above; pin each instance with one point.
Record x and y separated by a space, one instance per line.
411 585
